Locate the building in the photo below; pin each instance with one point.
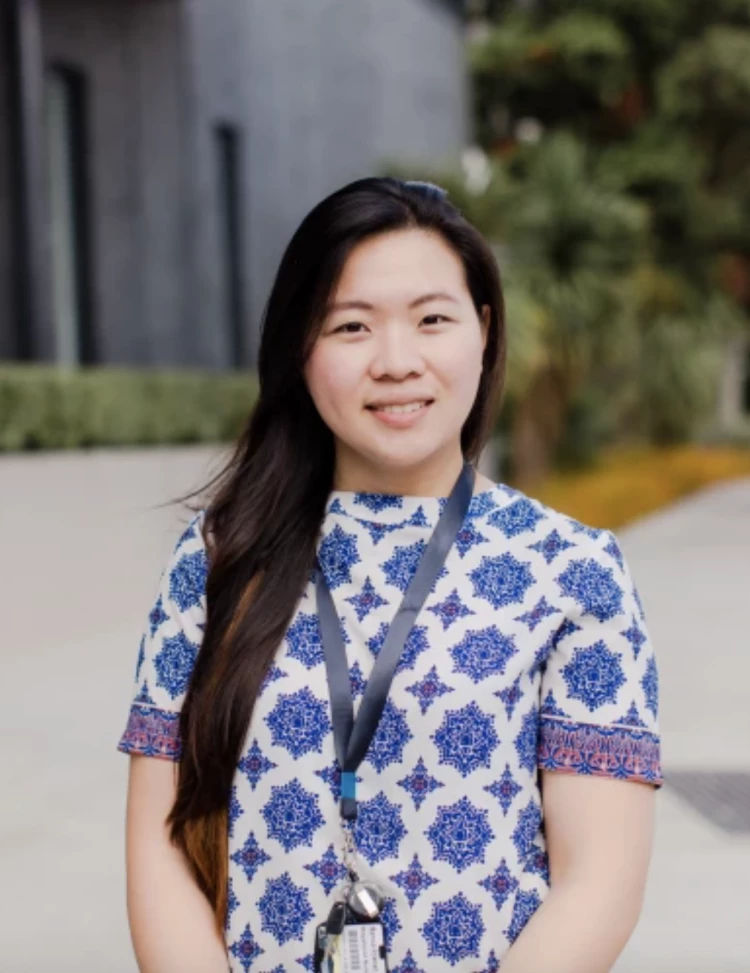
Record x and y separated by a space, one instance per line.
156 155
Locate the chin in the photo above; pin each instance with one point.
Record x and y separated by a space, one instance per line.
404 456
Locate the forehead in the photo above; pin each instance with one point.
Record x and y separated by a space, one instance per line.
400 265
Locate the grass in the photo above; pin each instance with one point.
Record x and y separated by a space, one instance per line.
628 484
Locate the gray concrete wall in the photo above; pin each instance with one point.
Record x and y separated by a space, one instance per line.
130 55
8 347
321 92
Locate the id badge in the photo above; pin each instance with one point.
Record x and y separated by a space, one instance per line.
363 947
360 949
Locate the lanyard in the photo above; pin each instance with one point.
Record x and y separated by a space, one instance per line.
352 737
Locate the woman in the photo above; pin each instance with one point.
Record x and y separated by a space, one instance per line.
503 808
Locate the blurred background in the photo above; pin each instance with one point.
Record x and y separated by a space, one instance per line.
155 158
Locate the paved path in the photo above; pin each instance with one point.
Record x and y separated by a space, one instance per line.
83 544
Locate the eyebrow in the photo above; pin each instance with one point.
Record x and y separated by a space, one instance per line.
365 306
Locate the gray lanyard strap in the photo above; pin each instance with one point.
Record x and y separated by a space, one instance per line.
352 737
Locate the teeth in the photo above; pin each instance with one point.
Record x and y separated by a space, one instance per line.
411 407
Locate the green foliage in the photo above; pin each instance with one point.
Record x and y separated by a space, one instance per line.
591 51
708 81
563 220
615 215
46 407
677 380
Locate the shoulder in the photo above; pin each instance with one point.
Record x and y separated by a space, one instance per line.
187 568
525 522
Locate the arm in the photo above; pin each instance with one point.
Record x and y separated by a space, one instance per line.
599 834
171 922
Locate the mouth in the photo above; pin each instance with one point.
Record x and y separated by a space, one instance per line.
400 408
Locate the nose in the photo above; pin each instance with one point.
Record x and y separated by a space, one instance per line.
397 353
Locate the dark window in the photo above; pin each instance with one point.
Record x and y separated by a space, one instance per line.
68 187
228 164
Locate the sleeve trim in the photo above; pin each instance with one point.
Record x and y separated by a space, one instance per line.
620 752
151 732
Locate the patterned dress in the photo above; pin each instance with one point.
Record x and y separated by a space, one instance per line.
530 652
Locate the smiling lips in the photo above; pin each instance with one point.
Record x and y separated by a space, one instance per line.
400 413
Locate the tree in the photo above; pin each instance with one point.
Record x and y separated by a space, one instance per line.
619 133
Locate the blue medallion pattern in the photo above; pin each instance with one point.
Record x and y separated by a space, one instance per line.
466 739
328 869
416 644
303 639
414 880
501 884
409 965
650 684
505 789
551 546
254 764
245 950
419 784
299 722
531 655
482 653
428 689
379 829
460 834
391 736
367 600
285 909
357 681
517 518
593 587
594 676
292 815
451 610
174 664
141 658
250 857
635 636
526 741
538 613
187 580
454 930
524 907
501 580
338 555
527 828
511 696
401 567
157 616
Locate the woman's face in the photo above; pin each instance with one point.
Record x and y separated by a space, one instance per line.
395 368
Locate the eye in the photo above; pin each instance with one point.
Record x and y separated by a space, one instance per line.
430 318
349 328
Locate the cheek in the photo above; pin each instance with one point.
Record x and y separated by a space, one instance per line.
460 367
332 381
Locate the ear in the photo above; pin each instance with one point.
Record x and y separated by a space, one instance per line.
484 322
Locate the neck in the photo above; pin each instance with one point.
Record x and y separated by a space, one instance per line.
434 478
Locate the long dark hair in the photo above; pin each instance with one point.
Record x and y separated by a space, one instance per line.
267 504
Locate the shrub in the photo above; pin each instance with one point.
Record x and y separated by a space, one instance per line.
628 484
49 407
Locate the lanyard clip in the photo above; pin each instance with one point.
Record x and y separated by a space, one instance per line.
348 795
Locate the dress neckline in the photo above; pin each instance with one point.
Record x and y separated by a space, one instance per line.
412 509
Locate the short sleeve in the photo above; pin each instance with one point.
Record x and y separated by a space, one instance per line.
168 650
600 682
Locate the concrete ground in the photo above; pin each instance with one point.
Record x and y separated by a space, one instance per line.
83 543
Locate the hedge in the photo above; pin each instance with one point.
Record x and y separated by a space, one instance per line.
50 407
